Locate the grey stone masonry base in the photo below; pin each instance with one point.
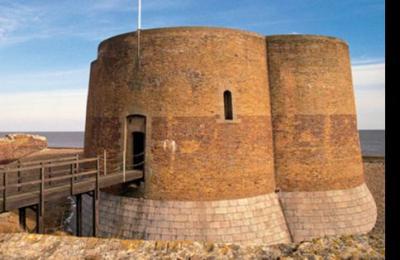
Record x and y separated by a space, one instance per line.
250 220
257 219
335 212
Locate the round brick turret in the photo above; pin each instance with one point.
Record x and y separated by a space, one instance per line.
223 119
318 163
316 141
192 152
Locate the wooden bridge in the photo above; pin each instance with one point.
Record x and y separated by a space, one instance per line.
30 184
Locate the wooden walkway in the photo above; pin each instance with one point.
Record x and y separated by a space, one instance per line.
29 185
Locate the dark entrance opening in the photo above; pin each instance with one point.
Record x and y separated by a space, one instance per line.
138 139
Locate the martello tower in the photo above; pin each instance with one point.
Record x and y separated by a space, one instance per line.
241 137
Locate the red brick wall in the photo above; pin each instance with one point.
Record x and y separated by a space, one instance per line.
192 153
316 143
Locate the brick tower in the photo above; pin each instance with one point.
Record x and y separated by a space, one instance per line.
222 118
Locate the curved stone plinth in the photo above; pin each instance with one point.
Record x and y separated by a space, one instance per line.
251 220
334 212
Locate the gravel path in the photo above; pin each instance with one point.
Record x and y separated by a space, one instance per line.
57 247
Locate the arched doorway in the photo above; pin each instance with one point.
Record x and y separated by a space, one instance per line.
135 142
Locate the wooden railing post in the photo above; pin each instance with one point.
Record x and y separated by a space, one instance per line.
38 223
19 175
50 183
22 218
96 200
97 174
72 178
79 215
77 163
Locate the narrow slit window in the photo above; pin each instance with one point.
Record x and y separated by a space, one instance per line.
228 105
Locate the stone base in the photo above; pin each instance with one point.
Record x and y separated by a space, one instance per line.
335 212
250 220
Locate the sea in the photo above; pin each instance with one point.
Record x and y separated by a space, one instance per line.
372 141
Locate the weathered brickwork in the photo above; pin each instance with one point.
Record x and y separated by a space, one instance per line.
179 85
293 129
198 159
316 143
250 220
320 213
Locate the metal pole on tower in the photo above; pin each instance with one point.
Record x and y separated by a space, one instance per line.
139 26
139 14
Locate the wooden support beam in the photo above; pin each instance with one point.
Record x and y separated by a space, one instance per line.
50 175
77 163
39 224
19 176
98 176
95 213
96 196
71 171
5 191
41 203
79 215
22 218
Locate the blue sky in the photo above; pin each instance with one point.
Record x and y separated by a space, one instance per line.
46 47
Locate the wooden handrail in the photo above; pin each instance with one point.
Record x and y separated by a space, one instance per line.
50 164
46 161
28 163
65 177
59 178
51 177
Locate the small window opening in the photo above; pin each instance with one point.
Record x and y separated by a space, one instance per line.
228 105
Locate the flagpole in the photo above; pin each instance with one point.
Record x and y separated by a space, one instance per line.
139 26
139 14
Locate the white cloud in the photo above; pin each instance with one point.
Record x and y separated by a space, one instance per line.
366 60
61 110
369 84
370 109
367 75
15 19
64 110
54 79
